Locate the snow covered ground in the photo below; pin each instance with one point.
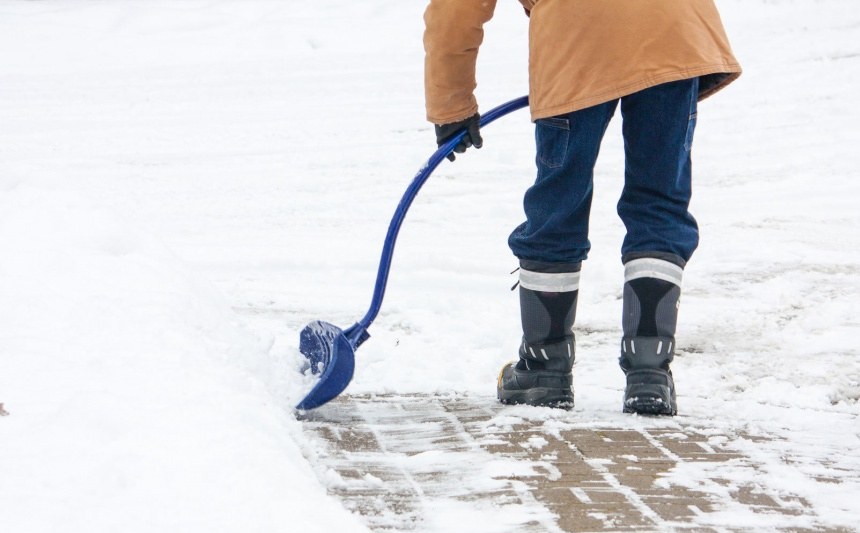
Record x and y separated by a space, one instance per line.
184 185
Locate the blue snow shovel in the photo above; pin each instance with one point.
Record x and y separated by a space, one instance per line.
331 350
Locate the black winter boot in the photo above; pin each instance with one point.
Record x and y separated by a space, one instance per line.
652 292
542 375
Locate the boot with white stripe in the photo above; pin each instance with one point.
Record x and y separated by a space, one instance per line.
652 291
542 375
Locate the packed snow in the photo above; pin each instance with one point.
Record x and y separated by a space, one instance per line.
185 185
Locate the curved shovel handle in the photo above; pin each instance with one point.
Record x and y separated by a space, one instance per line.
409 196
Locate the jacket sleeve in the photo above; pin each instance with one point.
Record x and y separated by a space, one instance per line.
528 5
454 31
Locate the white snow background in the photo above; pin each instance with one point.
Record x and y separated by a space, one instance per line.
185 184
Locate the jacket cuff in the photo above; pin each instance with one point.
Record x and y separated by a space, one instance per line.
450 119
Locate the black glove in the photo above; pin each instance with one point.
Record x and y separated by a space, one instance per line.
472 125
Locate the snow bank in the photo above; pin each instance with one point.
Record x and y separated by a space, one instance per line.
132 393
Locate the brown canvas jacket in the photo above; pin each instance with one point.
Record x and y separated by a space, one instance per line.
581 52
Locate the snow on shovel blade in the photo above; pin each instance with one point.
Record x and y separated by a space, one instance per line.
331 352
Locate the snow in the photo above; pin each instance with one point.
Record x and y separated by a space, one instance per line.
184 185
132 402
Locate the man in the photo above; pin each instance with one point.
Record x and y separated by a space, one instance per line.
657 58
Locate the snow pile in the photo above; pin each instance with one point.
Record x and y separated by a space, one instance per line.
129 384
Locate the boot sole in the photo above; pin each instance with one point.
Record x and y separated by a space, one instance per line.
538 397
649 406
649 399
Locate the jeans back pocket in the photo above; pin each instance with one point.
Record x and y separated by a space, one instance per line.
552 136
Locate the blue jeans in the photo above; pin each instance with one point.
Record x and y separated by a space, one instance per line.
658 134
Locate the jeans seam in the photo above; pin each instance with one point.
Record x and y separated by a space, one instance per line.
691 126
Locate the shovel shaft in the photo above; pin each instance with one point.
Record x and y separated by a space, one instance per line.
409 196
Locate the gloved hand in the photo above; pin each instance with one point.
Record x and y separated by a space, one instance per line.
472 137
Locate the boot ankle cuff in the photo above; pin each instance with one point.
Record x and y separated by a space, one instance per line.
555 356
646 352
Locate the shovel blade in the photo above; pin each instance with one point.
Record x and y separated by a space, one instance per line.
331 354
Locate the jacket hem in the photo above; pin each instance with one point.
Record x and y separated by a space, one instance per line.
734 71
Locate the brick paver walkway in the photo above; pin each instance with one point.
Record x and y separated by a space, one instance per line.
395 456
